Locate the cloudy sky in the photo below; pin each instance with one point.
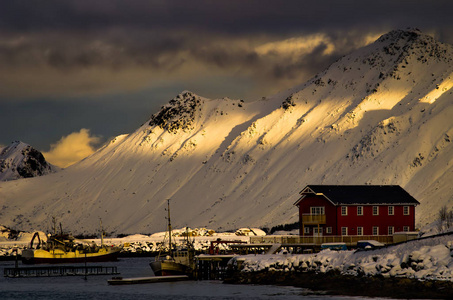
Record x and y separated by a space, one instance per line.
74 73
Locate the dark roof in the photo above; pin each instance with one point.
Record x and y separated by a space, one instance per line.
361 194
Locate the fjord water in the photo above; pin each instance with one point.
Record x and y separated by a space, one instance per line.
96 287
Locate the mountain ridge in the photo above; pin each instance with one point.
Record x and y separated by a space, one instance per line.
20 160
381 115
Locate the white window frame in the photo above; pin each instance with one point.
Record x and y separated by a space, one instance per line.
344 231
375 210
359 230
375 230
328 229
391 230
391 210
361 210
406 211
317 210
406 228
306 230
344 210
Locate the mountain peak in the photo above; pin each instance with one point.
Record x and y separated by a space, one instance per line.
407 54
20 160
179 113
400 34
413 42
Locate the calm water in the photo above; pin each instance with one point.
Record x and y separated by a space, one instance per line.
96 287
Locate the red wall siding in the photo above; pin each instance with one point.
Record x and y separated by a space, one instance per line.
383 220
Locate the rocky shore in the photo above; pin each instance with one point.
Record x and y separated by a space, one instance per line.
418 269
334 283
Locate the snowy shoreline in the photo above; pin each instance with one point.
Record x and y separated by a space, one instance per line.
416 269
424 259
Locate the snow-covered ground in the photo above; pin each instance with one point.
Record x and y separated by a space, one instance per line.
139 243
426 259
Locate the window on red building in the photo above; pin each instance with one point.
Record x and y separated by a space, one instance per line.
375 210
375 230
360 210
359 230
317 210
391 230
344 230
344 210
391 210
406 210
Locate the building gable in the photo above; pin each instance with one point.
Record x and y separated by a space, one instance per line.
307 192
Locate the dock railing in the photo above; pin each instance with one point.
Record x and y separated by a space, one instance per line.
350 240
50 271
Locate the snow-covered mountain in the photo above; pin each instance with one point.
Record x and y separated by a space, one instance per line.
381 115
20 160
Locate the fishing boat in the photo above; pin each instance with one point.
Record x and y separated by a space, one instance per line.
177 261
64 248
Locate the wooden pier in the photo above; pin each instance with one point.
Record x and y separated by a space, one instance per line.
152 279
212 267
52 271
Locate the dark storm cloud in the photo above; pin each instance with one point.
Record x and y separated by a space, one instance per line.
182 54
63 49
228 16
310 62
156 34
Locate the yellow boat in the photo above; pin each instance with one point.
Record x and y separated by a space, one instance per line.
64 248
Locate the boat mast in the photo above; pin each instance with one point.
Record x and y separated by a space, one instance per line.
102 232
169 225
54 221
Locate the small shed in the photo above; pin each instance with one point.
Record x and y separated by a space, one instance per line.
402 236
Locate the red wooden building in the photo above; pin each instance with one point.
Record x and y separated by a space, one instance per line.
355 210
